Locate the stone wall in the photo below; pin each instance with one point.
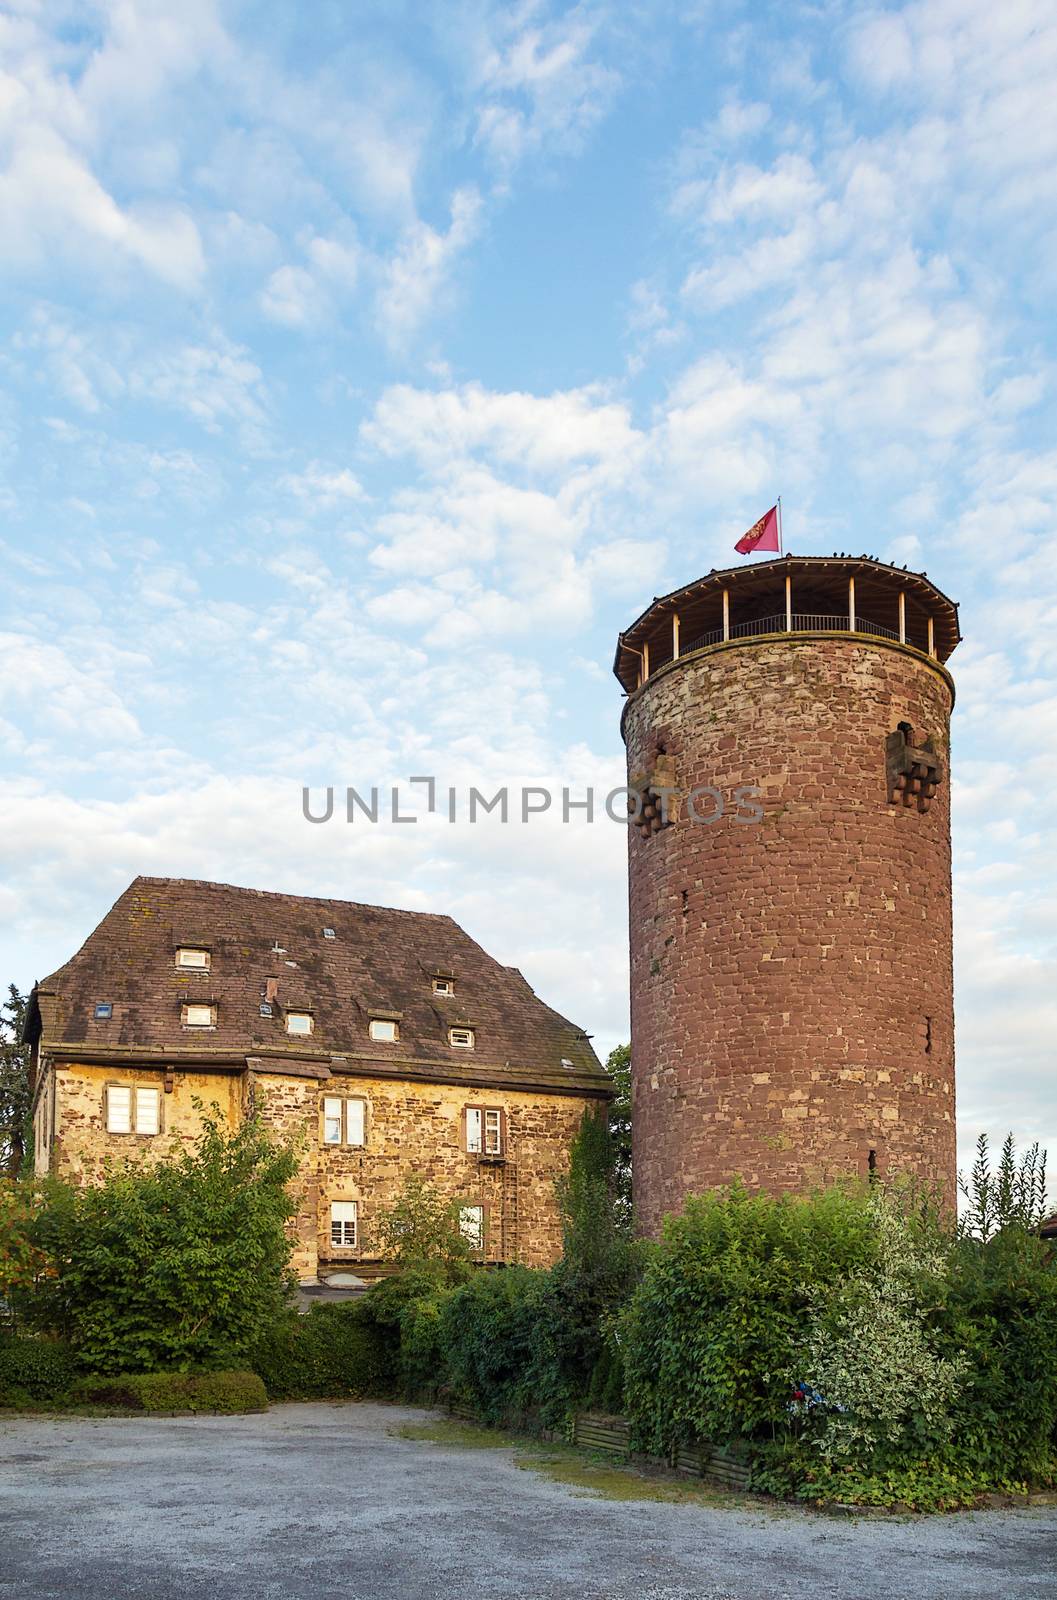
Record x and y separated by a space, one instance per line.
791 980
410 1128
81 1142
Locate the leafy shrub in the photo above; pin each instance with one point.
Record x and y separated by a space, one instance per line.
712 1333
404 1311
176 1264
879 1386
422 1229
1000 1314
36 1369
792 1469
331 1351
226 1393
490 1334
600 1265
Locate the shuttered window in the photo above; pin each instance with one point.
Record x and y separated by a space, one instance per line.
148 1111
354 1122
133 1109
343 1224
118 1108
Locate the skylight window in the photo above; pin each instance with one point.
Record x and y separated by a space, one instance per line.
328 933
299 1022
194 1016
462 1038
104 1011
187 956
444 986
384 1029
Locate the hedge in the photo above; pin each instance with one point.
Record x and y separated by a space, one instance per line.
331 1351
225 1393
34 1369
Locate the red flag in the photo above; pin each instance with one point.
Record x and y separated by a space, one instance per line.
763 535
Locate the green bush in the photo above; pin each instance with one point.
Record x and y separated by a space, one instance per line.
877 1384
35 1369
493 1335
332 1351
225 1393
404 1312
711 1338
1000 1314
180 1263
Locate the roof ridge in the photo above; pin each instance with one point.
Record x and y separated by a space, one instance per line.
279 894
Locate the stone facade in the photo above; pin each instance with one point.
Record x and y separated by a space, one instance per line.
410 1128
791 979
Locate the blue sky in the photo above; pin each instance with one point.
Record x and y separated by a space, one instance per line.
363 368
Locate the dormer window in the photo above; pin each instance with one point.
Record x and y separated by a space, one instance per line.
196 1016
462 1038
300 1022
384 1029
444 986
188 956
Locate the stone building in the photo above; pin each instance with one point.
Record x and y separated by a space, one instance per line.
787 733
387 1042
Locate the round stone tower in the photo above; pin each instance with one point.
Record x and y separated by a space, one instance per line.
792 1019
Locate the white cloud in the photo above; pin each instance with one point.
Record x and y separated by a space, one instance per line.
420 270
544 433
541 89
323 488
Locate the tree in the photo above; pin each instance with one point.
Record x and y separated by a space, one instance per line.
180 1263
14 1084
1013 1195
618 1065
422 1229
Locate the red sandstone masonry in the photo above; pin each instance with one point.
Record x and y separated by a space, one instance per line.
780 1012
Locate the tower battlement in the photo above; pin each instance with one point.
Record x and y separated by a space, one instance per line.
791 966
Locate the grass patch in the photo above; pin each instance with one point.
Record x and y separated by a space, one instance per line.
587 1473
608 1480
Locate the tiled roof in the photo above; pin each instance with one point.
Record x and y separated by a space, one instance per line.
379 962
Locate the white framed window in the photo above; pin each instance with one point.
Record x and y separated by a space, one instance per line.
199 1016
384 1029
444 986
343 1224
493 1132
462 1038
299 1022
344 1121
133 1108
186 956
484 1130
471 1226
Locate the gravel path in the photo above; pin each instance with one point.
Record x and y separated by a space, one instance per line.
323 1501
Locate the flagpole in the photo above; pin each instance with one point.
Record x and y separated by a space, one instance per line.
781 542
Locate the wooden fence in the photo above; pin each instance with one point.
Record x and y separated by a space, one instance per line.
595 1431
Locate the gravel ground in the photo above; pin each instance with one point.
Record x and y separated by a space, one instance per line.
323 1501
